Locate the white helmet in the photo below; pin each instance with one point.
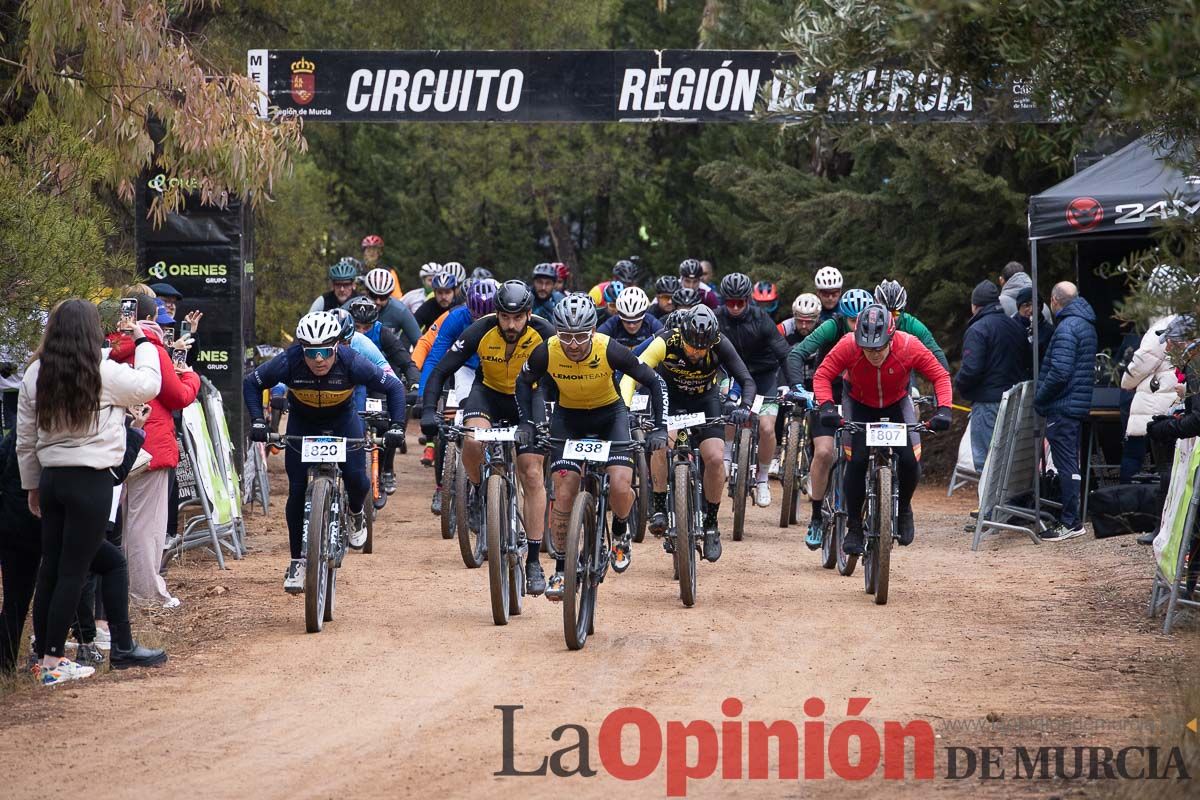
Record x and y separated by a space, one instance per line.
429 269
379 281
828 278
806 305
632 303
318 327
457 270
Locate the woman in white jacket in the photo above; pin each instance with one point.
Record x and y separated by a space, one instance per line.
70 434
1151 376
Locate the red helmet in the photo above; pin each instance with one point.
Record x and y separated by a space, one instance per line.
563 270
765 292
374 240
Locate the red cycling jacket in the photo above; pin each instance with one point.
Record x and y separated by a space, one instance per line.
880 387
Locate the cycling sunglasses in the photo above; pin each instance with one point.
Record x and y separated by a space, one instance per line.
734 305
829 292
323 353
378 297
576 338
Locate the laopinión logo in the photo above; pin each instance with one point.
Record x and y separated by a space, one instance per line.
853 750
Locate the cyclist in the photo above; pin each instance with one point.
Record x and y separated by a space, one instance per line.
624 272
631 326
664 287
691 275
545 296
372 247
813 349
321 376
581 364
609 296
806 309
445 297
480 302
829 290
380 285
459 272
366 321
443 281
688 358
502 341
416 297
342 276
878 362
564 275
892 296
766 297
756 339
482 274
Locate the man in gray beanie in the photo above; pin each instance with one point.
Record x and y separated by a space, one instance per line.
995 356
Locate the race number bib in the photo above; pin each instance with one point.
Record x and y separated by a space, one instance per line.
458 417
685 421
586 450
323 450
886 434
374 405
640 402
495 434
758 404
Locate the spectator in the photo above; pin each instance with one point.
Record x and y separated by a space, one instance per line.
1151 375
1064 396
995 357
1013 281
67 446
20 552
147 493
1024 303
169 295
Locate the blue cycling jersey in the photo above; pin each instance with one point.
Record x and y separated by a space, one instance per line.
456 321
321 398
615 329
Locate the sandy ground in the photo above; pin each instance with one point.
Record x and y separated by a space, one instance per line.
397 696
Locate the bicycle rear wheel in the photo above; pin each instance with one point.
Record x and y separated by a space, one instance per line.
369 513
740 491
788 468
883 547
495 523
641 472
450 472
316 576
845 563
830 541
514 534
685 548
579 588
472 545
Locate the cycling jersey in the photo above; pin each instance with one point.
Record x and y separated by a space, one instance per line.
756 339
545 308
326 302
909 324
497 366
657 311
666 354
430 310
396 354
589 383
450 329
791 333
877 387
320 397
615 329
425 343
395 315
413 298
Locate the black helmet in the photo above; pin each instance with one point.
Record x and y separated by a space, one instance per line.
874 328
736 286
347 323
545 270
701 328
481 273
575 313
666 284
891 295
685 297
690 268
514 297
363 310
626 271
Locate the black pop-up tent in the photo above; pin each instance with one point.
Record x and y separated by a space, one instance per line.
1121 197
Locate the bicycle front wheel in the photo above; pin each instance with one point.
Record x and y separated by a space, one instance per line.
498 572
883 547
641 471
579 588
740 491
788 467
685 535
316 554
450 472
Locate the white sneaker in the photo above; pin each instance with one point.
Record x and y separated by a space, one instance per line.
358 530
293 579
773 470
103 639
173 602
66 670
762 494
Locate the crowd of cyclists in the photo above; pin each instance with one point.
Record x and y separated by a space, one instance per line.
556 365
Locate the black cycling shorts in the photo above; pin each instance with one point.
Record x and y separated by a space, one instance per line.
709 403
499 409
610 423
821 429
766 383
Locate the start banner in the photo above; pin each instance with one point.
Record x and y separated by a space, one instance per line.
608 86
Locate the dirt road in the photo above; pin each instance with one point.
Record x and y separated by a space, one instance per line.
397 697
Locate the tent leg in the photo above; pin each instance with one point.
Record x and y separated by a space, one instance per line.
1034 325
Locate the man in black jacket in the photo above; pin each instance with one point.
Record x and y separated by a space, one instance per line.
995 357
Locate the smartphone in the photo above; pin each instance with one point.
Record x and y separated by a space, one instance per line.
185 329
168 337
128 308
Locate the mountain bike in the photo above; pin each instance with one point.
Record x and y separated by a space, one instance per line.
447 458
685 501
501 537
326 518
638 518
741 468
796 449
589 541
882 506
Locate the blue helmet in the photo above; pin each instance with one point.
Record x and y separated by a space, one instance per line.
611 290
854 301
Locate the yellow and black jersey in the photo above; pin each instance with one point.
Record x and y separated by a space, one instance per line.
589 383
498 364
666 354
